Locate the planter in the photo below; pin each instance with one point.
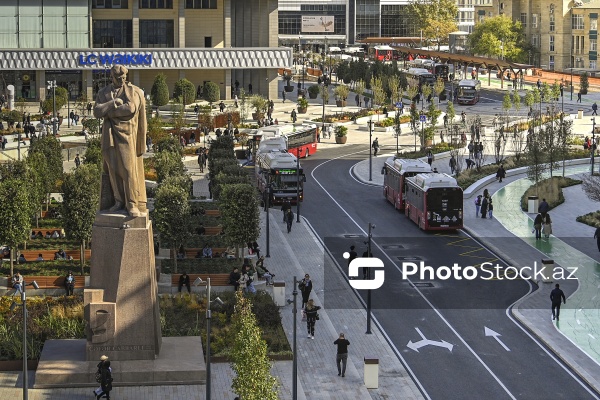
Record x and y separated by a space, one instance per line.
341 139
288 88
302 110
312 95
340 103
583 91
17 365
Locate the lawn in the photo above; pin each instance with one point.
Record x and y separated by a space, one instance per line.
549 189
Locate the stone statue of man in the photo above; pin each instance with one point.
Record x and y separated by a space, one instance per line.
122 105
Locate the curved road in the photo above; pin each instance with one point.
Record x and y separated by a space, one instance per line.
438 327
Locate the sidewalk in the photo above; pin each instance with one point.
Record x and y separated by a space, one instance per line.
575 338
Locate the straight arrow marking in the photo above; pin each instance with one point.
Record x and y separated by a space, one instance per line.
495 335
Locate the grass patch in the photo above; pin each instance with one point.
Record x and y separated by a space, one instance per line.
51 244
62 318
591 219
549 189
46 268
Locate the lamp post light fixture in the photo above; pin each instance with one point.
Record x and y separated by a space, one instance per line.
398 129
24 306
369 254
593 143
295 345
370 123
267 207
298 186
52 86
324 88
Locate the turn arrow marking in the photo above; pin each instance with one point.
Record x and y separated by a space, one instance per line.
495 335
426 342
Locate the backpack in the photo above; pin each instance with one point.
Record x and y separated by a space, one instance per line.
302 285
478 201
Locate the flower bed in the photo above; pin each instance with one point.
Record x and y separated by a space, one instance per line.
549 189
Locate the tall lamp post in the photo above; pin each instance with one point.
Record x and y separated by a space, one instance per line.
295 345
24 305
324 88
268 206
68 105
370 123
298 186
371 227
593 143
576 3
398 128
52 86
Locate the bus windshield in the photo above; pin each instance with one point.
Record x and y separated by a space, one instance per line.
468 92
285 181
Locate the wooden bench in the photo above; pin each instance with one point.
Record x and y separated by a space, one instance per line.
46 231
213 213
215 279
213 230
51 282
48 255
191 252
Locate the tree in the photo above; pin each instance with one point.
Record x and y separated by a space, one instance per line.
359 88
379 96
506 106
81 199
243 105
212 92
591 186
499 36
564 137
160 91
239 210
35 176
172 216
393 83
15 215
435 17
438 88
61 95
92 125
536 157
51 150
93 152
253 380
584 83
324 91
185 90
168 163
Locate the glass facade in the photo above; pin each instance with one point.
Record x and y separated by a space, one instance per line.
156 3
23 81
110 3
113 33
70 80
157 33
367 19
396 21
290 22
199 4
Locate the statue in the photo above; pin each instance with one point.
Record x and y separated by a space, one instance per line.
123 107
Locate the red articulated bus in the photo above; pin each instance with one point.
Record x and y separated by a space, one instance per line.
434 201
383 53
300 140
395 172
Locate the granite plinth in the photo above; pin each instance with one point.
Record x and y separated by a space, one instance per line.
63 364
118 219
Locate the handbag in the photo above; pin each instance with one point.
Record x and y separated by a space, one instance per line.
317 317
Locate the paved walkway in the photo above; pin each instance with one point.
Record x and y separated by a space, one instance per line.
576 338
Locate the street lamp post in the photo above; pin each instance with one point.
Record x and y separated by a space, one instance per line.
68 106
298 186
422 128
208 318
295 346
371 227
24 306
398 129
268 206
370 123
52 86
324 88
593 143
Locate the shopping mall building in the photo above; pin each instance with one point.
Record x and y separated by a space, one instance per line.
75 42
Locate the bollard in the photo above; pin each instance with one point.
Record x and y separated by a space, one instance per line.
532 204
580 114
279 293
371 372
547 270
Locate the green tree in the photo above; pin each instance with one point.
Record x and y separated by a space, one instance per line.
168 163
239 210
35 176
61 99
81 199
93 153
15 215
584 83
159 93
324 91
499 36
379 96
51 150
250 363
451 113
212 92
393 83
436 18
172 215
359 88
185 90
438 88
564 139
506 106
536 157
92 125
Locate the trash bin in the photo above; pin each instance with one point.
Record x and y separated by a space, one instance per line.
279 293
371 372
532 204
547 270
579 114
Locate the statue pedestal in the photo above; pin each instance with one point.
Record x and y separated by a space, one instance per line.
121 306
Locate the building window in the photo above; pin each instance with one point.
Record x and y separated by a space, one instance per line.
593 44
551 42
100 3
112 34
577 44
551 63
524 20
577 21
534 20
156 3
593 64
582 44
535 40
552 23
157 33
110 3
481 18
198 4
208 41
396 20
593 24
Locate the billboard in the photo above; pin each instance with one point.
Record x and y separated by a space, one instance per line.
315 23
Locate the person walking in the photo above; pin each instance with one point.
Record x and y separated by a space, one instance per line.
294 116
201 161
544 207
452 164
285 207
353 254
283 96
594 109
537 226
597 237
77 161
501 173
556 295
477 205
547 226
106 380
305 287
490 208
484 206
375 147
429 157
342 354
289 219
579 97
312 315
445 120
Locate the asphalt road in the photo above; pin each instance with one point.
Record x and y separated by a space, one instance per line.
437 326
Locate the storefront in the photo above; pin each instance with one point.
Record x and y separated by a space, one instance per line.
86 71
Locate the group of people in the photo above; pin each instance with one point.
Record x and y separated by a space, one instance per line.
542 224
475 150
484 205
48 235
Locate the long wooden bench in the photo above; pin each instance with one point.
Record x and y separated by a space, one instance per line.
215 279
213 230
47 255
191 252
213 213
51 282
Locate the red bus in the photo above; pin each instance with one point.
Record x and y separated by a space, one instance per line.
299 139
395 172
468 91
434 201
383 53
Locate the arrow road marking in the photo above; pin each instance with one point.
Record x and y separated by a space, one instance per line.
424 342
495 335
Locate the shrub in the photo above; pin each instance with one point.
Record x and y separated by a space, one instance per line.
160 91
549 189
212 92
591 219
185 90
313 90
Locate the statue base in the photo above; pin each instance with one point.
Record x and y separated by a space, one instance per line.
63 364
121 305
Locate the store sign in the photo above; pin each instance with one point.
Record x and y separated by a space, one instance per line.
317 24
115 59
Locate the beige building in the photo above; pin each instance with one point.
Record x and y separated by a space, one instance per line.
565 33
75 42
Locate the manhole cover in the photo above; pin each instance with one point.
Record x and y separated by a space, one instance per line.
392 246
352 236
423 284
408 258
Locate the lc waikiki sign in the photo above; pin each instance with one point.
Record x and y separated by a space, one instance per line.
115 59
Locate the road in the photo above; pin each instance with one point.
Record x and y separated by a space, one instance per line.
438 327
